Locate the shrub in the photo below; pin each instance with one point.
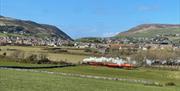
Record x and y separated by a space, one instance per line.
139 58
59 51
56 50
37 59
4 54
43 59
170 84
91 50
31 59
88 50
11 49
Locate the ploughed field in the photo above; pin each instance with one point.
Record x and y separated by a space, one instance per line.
45 80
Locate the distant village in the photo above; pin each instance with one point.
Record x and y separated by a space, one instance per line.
158 42
32 41
102 45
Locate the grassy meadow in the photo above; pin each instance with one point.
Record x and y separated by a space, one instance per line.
33 81
28 81
16 80
72 56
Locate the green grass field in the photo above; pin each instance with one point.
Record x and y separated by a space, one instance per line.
12 80
162 76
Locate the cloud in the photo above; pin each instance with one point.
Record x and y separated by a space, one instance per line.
109 34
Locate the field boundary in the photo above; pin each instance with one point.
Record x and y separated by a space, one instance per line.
36 67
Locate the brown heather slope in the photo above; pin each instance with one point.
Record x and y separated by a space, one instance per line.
12 25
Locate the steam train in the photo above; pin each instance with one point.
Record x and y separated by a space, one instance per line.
113 65
108 62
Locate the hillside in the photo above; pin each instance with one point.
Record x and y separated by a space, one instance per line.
151 30
15 27
89 39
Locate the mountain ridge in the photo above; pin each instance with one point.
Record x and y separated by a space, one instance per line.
149 28
9 24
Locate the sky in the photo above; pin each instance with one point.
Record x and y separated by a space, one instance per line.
93 18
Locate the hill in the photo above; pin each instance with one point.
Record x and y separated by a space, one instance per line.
15 27
89 39
151 30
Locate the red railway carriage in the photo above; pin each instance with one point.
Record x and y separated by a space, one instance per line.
113 65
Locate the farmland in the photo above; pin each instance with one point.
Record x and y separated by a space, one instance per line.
20 81
42 80
17 80
74 55
89 45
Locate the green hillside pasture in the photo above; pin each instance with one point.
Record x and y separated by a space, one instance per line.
153 33
12 34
